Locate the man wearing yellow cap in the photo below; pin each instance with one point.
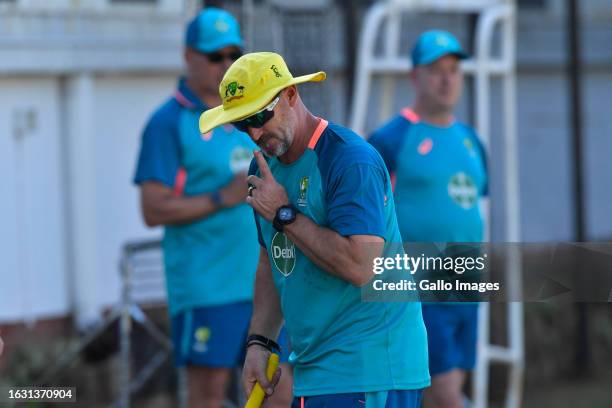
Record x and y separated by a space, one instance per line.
322 201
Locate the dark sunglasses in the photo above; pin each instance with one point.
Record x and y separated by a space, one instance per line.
217 57
257 120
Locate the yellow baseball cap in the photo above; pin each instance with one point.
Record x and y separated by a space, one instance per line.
249 84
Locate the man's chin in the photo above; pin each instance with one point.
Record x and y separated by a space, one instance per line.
270 153
274 152
448 103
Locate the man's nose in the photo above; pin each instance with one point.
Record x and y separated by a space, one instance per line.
255 133
448 77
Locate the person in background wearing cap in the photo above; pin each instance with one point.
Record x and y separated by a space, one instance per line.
323 207
439 169
195 185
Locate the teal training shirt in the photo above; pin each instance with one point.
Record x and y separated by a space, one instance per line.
340 343
211 261
440 175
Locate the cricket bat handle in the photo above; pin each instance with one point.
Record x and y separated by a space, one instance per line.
257 394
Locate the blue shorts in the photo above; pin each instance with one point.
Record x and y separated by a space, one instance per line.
451 336
380 399
215 336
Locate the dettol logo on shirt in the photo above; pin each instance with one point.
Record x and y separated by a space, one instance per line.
240 159
283 253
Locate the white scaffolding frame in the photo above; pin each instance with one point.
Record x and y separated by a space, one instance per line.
386 15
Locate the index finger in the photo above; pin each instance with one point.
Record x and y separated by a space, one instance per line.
263 165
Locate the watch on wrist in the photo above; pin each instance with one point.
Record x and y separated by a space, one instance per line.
285 215
216 199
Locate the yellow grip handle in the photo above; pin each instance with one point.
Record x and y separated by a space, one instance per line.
258 394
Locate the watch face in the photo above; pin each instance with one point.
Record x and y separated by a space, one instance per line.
285 214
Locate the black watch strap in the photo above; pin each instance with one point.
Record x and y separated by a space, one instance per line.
216 198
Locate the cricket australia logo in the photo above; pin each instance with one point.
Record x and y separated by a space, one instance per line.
442 40
469 146
202 335
221 26
283 253
233 90
462 190
302 200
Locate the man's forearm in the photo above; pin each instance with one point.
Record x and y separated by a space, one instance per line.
267 318
180 210
340 256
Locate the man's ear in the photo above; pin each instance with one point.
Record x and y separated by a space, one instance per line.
291 93
187 54
413 75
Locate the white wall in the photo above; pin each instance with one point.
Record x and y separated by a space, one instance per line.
33 280
123 104
53 231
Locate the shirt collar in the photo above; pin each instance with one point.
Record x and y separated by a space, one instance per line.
187 98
